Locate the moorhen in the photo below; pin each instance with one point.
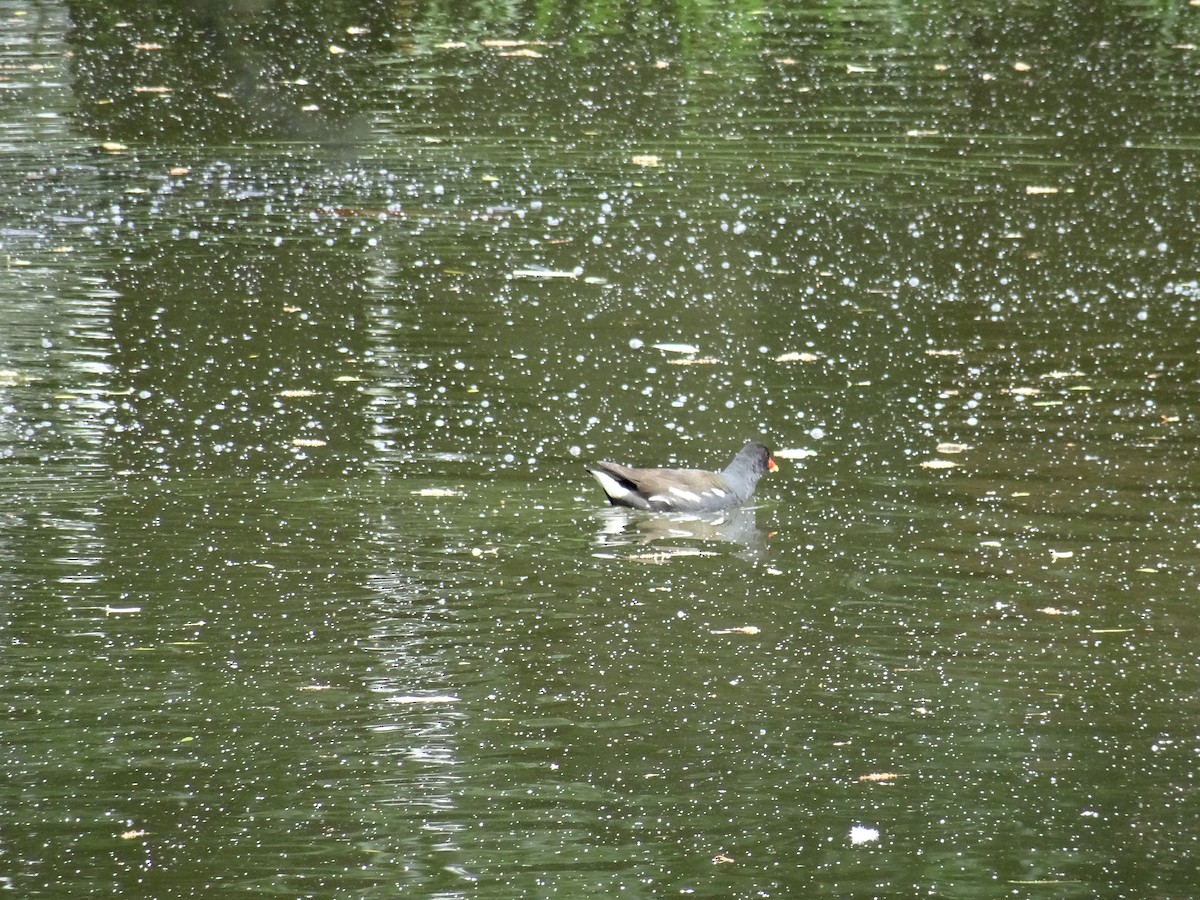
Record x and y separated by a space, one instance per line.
685 490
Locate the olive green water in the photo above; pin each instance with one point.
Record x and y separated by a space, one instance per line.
309 320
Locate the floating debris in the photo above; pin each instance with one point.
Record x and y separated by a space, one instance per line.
689 349
939 464
741 629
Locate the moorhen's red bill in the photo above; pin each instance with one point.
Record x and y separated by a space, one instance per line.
685 490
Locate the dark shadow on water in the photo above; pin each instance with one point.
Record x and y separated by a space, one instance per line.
622 527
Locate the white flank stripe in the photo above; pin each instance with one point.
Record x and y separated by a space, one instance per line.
611 486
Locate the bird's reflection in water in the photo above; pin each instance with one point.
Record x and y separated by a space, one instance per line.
678 534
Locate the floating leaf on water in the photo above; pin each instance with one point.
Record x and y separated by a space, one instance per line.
179 171
721 859
677 348
336 50
879 776
1022 66
646 160
794 453
133 833
797 356
951 447
742 629
112 147
939 464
